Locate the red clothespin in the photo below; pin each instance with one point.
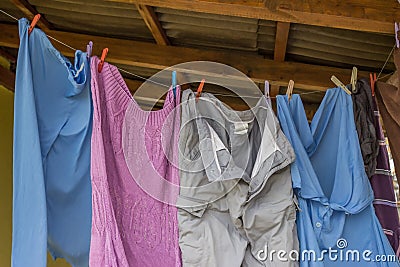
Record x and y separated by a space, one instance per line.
372 79
103 57
200 89
33 23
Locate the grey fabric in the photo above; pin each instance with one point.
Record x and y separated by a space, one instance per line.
236 192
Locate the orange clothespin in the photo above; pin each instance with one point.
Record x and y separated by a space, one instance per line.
200 89
103 57
33 23
372 80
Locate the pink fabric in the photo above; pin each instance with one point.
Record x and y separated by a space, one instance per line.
129 226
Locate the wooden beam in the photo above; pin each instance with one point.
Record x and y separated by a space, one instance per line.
274 90
7 79
30 12
281 39
359 15
147 55
152 22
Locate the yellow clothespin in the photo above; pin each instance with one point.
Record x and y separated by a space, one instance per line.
353 80
289 90
338 83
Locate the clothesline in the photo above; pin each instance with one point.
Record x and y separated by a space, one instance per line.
226 95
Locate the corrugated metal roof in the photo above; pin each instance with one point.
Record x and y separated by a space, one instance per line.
11 9
266 37
339 48
207 30
308 44
95 17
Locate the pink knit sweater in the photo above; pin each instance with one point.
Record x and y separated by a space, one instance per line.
133 166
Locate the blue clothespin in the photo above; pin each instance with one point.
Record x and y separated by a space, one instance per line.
174 82
89 49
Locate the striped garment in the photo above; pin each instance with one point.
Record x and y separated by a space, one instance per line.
382 185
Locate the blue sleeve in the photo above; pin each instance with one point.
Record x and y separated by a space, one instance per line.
29 244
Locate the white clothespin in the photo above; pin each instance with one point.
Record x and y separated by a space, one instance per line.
266 89
338 83
353 79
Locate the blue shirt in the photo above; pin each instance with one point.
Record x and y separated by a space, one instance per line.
52 130
334 194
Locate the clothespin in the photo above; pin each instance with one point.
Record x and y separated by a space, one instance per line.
289 90
103 57
338 83
89 49
266 89
396 31
353 80
200 89
372 79
33 23
174 83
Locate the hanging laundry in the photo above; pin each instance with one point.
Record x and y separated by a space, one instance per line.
364 119
52 130
365 113
388 98
335 197
131 150
236 201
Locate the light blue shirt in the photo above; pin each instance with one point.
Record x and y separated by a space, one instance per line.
335 197
52 130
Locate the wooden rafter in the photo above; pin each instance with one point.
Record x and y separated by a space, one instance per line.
7 78
152 22
366 15
281 39
30 12
157 57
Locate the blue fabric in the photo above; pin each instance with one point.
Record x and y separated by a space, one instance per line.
334 194
52 131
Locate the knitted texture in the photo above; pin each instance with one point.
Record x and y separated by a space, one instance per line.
129 226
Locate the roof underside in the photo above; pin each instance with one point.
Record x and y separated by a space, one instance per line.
322 46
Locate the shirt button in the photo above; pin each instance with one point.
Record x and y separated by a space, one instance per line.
318 224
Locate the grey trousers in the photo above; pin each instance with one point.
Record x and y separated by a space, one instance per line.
236 205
